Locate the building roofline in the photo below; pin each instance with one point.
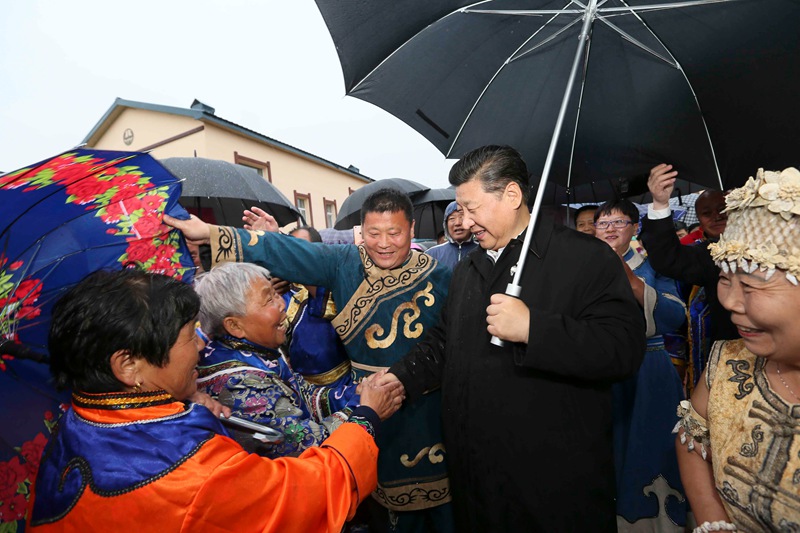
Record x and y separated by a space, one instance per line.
120 104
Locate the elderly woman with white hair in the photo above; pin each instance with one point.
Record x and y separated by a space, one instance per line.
243 369
739 437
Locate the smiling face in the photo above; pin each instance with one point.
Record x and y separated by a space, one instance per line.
618 238
709 206
493 218
765 313
387 238
264 321
179 376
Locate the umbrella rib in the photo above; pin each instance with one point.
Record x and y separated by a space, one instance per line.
541 44
638 43
533 12
686 78
379 65
578 115
497 73
658 7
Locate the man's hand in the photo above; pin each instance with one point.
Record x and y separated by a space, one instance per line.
661 182
213 405
194 230
508 318
385 398
257 219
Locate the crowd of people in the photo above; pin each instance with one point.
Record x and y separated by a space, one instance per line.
303 386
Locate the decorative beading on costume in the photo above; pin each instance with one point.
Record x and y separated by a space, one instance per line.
121 400
694 426
719 525
763 227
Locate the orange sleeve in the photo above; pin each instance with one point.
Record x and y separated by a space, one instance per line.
317 491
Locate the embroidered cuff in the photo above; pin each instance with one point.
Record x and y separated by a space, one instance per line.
367 418
693 425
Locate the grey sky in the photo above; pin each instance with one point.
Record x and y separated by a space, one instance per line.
268 65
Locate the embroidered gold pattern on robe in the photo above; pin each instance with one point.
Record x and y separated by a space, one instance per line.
409 312
380 285
433 453
755 438
420 495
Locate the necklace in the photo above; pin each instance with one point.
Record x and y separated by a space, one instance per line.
778 368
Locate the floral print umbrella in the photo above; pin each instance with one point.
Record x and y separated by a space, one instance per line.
60 220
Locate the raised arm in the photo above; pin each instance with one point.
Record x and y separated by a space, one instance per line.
689 264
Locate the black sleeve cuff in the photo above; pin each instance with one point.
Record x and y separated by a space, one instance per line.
367 418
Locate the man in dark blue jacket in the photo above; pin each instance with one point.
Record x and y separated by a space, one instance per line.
459 240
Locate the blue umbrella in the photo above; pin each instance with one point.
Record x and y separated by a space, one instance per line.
76 213
62 219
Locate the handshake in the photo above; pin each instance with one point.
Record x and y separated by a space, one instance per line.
382 392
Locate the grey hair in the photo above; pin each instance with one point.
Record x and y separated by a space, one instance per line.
223 293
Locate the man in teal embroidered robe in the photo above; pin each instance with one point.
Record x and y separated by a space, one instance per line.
384 313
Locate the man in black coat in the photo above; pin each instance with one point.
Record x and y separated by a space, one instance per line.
527 426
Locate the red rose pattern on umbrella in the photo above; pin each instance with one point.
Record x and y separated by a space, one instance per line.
123 197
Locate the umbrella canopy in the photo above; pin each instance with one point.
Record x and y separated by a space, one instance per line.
75 213
226 189
61 219
429 209
700 84
597 192
350 212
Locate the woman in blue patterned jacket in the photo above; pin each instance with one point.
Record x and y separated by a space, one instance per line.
245 317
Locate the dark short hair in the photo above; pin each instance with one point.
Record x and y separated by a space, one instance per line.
313 233
582 209
679 225
495 166
109 311
622 205
388 200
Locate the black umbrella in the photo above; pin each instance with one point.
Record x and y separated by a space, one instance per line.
350 212
429 208
465 74
226 189
701 84
597 192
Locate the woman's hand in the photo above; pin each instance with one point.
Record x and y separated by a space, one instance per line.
385 399
201 398
256 219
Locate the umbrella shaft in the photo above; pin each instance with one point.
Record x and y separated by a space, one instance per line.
583 39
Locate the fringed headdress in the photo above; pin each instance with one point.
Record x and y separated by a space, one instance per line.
763 231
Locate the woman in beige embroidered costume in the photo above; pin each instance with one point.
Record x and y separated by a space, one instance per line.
739 437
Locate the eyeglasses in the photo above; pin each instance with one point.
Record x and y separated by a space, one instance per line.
618 224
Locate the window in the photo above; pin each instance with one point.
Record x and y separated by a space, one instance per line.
303 204
330 212
262 167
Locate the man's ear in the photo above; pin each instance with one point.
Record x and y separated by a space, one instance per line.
412 228
233 327
513 193
124 368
